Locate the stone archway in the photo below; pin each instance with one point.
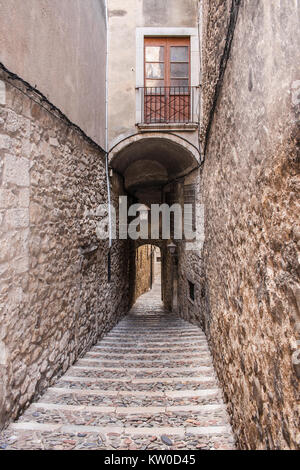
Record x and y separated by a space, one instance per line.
147 269
148 161
145 137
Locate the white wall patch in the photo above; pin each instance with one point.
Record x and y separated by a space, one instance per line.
2 92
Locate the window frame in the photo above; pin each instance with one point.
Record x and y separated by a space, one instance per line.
167 42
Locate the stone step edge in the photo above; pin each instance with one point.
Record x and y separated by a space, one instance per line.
174 328
105 357
169 349
180 329
130 431
109 341
134 410
113 335
131 355
209 393
149 347
145 369
100 361
200 379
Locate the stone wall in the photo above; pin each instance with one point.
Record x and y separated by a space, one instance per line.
250 190
157 265
190 267
55 298
215 19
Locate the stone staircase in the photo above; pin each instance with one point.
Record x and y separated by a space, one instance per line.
148 385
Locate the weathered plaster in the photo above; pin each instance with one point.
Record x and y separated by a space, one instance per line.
59 47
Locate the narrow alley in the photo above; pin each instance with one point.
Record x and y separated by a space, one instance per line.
148 384
149 225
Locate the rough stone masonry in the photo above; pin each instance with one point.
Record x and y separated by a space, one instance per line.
55 300
250 188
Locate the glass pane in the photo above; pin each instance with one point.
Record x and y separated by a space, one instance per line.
179 70
155 86
179 54
154 54
155 70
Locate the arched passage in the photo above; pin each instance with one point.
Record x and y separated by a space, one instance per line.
150 160
148 268
150 163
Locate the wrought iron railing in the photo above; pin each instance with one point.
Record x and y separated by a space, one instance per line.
173 104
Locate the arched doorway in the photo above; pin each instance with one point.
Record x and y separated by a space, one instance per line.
148 269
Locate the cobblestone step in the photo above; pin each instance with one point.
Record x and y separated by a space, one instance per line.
131 398
157 330
151 336
154 356
151 350
191 416
197 409
134 372
149 384
90 361
31 435
149 346
132 332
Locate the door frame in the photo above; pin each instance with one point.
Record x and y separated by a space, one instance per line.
195 72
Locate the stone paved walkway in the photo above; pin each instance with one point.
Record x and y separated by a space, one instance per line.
149 384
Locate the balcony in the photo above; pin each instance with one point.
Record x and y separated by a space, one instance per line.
168 108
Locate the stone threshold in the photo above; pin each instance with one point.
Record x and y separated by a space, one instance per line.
168 127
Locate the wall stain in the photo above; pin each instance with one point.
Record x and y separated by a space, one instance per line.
117 13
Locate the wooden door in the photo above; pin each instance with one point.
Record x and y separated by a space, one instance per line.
167 80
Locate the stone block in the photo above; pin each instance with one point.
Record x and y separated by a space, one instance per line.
17 218
3 354
24 197
13 122
21 265
5 142
16 171
7 198
53 142
2 93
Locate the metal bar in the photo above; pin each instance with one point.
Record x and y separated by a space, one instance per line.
168 104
